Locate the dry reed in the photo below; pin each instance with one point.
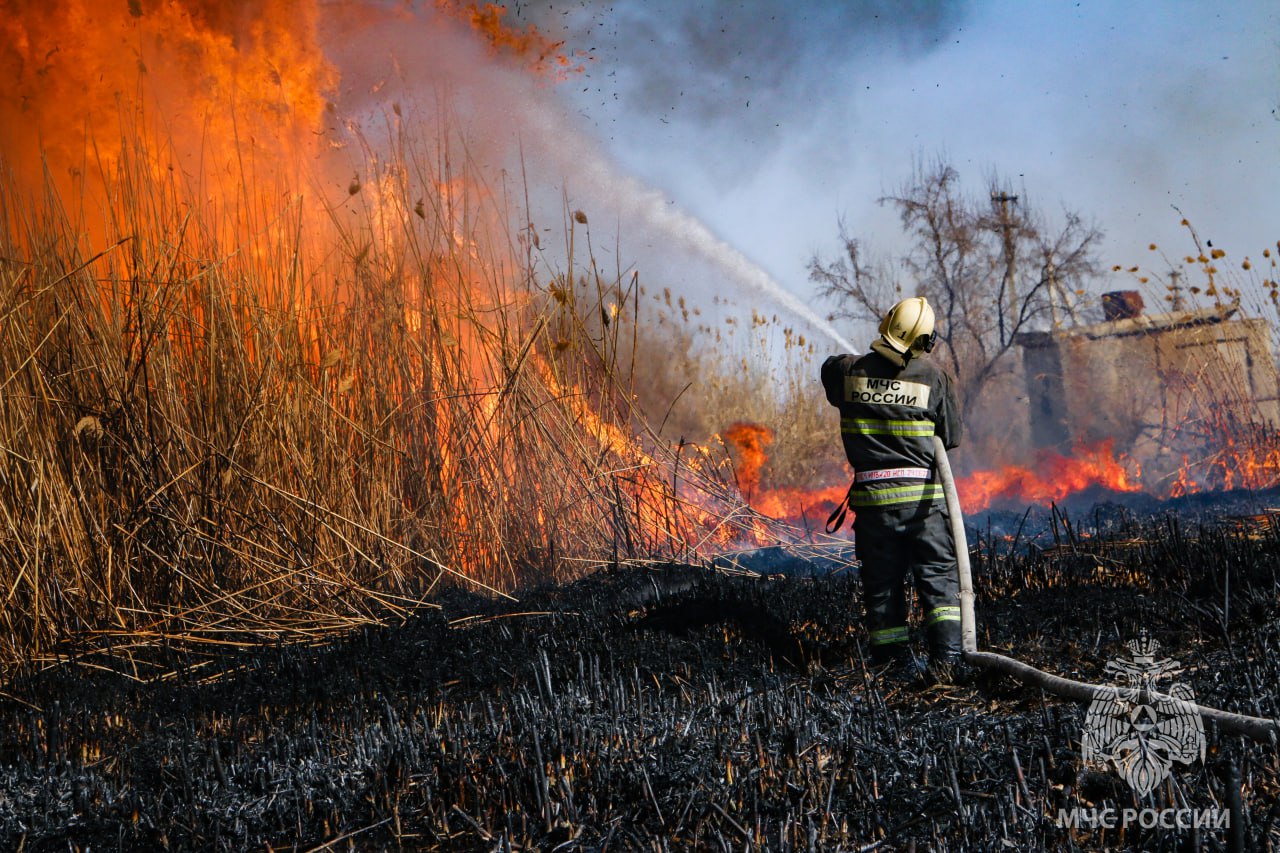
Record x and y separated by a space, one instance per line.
251 422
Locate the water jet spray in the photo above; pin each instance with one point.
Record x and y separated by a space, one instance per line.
633 199
688 232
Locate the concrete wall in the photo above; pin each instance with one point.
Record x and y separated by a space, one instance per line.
1146 380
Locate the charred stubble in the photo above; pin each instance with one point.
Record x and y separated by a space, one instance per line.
724 711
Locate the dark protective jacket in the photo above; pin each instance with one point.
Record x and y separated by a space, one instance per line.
888 417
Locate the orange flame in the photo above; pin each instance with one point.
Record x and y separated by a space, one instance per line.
225 104
1247 461
1051 478
802 508
806 509
751 442
227 77
238 98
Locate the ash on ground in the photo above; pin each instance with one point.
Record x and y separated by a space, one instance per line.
677 707
798 560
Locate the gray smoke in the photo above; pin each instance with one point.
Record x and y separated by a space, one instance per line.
728 73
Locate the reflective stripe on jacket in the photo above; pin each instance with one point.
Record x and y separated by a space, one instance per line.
888 417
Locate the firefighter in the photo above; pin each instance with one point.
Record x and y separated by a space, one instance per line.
892 401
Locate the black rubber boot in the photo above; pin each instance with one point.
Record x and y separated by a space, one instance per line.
946 655
891 653
944 641
896 663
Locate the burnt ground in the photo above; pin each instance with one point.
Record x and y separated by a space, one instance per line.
662 708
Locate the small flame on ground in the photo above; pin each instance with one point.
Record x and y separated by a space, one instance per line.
1051 477
1246 457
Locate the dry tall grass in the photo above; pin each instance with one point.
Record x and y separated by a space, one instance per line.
1218 413
753 369
225 425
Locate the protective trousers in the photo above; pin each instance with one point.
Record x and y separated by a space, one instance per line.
892 543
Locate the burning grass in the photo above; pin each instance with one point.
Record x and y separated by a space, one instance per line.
264 424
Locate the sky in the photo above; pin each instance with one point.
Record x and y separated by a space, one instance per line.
770 123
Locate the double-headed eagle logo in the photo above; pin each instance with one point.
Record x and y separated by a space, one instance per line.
1138 729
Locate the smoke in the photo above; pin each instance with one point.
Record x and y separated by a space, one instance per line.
714 56
734 79
743 110
738 112
518 122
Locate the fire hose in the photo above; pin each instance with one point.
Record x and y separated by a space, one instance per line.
1258 728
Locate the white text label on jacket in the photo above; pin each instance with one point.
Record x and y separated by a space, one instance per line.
886 392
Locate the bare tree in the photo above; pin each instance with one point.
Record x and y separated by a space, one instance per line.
991 267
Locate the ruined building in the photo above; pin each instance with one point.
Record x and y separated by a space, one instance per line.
1157 384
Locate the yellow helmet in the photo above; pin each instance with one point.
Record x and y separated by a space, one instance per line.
909 326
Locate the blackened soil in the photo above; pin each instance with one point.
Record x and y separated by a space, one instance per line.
667 708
